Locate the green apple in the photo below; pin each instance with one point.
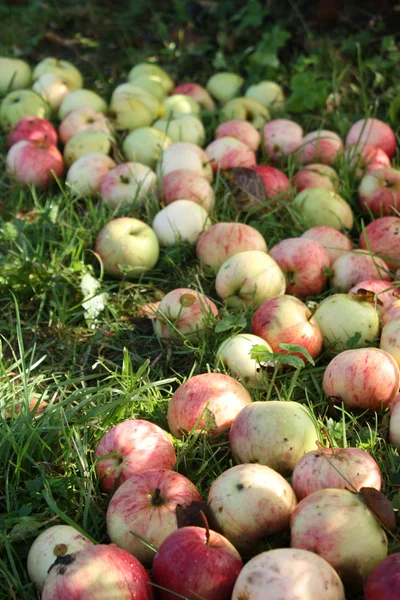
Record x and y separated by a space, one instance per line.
151 84
81 99
319 206
145 144
127 112
130 90
19 104
52 89
85 142
64 69
224 86
269 93
146 69
234 355
127 247
188 128
245 109
180 104
15 74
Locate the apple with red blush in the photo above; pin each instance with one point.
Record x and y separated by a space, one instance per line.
197 92
83 119
85 175
394 422
335 242
183 184
365 158
382 237
34 163
356 266
316 175
282 138
33 129
241 130
379 192
373 132
383 583
229 152
382 293
322 146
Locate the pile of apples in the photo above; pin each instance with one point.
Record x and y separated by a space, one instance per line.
324 506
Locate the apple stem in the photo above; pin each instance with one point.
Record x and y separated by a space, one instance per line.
328 437
206 525
157 499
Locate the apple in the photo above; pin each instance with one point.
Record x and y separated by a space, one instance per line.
287 320
196 562
184 128
356 266
83 119
197 92
316 175
34 163
179 104
145 504
328 522
127 242
187 185
374 133
318 206
33 129
249 502
390 339
281 138
383 293
223 240
85 175
303 263
362 378
364 158
185 155
98 571
234 355
241 130
379 192
182 220
55 541
128 184
149 70
19 104
245 109
151 84
123 101
322 146
15 74
145 145
224 86
343 468
206 402
137 445
229 152
393 311
382 237
274 433
183 313
85 142
62 68
288 573
394 422
344 320
52 88
334 241
384 580
81 99
129 113
248 278
269 93
275 181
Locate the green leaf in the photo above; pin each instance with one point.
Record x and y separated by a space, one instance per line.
266 51
259 353
352 342
231 322
299 350
308 93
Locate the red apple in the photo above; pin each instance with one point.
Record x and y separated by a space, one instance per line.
276 183
34 163
183 184
137 445
390 339
316 175
394 422
322 146
383 582
382 237
281 138
229 152
241 130
33 129
197 92
365 158
196 562
384 295
379 191
83 119
85 175
356 266
373 132
334 241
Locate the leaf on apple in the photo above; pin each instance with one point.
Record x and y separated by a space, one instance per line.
190 515
380 506
249 188
231 322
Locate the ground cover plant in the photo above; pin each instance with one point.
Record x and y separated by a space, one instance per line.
77 354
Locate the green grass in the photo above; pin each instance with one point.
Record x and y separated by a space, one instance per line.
93 377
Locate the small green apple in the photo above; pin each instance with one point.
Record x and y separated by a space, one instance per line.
245 109
188 128
147 69
319 206
64 69
85 142
269 93
224 86
19 104
15 74
180 104
129 113
79 99
130 90
151 84
145 144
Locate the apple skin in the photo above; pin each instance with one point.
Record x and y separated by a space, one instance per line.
319 206
19 104
151 84
394 422
241 130
316 175
184 155
146 504
248 278
223 240
382 236
334 241
55 541
322 146
179 105
85 142
303 262
52 88
182 220
187 185
363 379
149 70
384 293
287 573
245 109
131 104
249 502
183 128
62 68
343 468
15 74
234 354
83 119
127 241
229 152
85 175
98 571
286 319
79 99
145 145
220 394
34 163
197 92
365 158
128 184
281 138
328 522
374 133
183 313
33 129
275 433
189 564
269 93
224 86
139 445
379 192
383 582
356 266
390 339
393 311
275 181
